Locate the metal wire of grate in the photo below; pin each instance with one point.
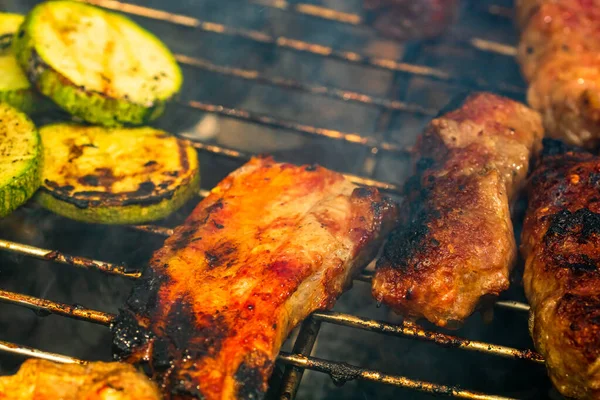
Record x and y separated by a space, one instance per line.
300 359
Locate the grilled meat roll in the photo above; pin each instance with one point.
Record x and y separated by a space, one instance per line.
559 53
561 246
271 244
45 380
455 244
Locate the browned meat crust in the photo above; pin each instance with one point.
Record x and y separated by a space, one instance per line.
455 244
559 53
270 245
561 245
45 380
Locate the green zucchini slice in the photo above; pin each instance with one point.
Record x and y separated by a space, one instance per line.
20 159
97 65
115 175
15 89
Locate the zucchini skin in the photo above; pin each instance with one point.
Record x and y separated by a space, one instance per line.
23 186
91 106
25 98
118 214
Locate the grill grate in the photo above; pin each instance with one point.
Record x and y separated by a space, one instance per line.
376 146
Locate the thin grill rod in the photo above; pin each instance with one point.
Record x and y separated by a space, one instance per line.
366 277
48 306
309 130
303 346
241 156
339 372
407 329
297 45
35 353
329 14
342 372
334 93
61 258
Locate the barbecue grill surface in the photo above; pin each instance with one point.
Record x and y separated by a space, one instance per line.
253 84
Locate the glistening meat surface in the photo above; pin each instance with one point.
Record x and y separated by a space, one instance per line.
559 54
455 245
45 380
271 244
561 246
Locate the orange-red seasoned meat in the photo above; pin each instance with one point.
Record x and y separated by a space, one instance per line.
45 380
455 245
561 246
559 53
270 245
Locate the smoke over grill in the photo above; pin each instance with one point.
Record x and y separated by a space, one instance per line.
340 105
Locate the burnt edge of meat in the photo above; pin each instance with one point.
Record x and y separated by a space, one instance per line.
184 337
249 375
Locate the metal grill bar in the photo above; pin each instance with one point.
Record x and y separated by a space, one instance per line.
244 115
331 92
329 14
243 157
342 372
44 307
31 352
61 258
303 346
406 329
301 46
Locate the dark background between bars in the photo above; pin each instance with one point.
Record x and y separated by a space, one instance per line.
470 69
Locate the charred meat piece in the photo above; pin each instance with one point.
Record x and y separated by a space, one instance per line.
271 244
561 246
45 380
559 53
455 244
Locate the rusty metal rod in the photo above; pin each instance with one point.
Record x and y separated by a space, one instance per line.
404 329
329 14
300 45
155 229
408 329
242 156
35 353
53 307
342 372
303 346
266 120
334 93
61 258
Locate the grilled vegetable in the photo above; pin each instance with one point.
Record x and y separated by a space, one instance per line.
97 65
115 176
20 159
15 89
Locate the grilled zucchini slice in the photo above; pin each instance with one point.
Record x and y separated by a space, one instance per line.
20 159
115 175
15 89
97 65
